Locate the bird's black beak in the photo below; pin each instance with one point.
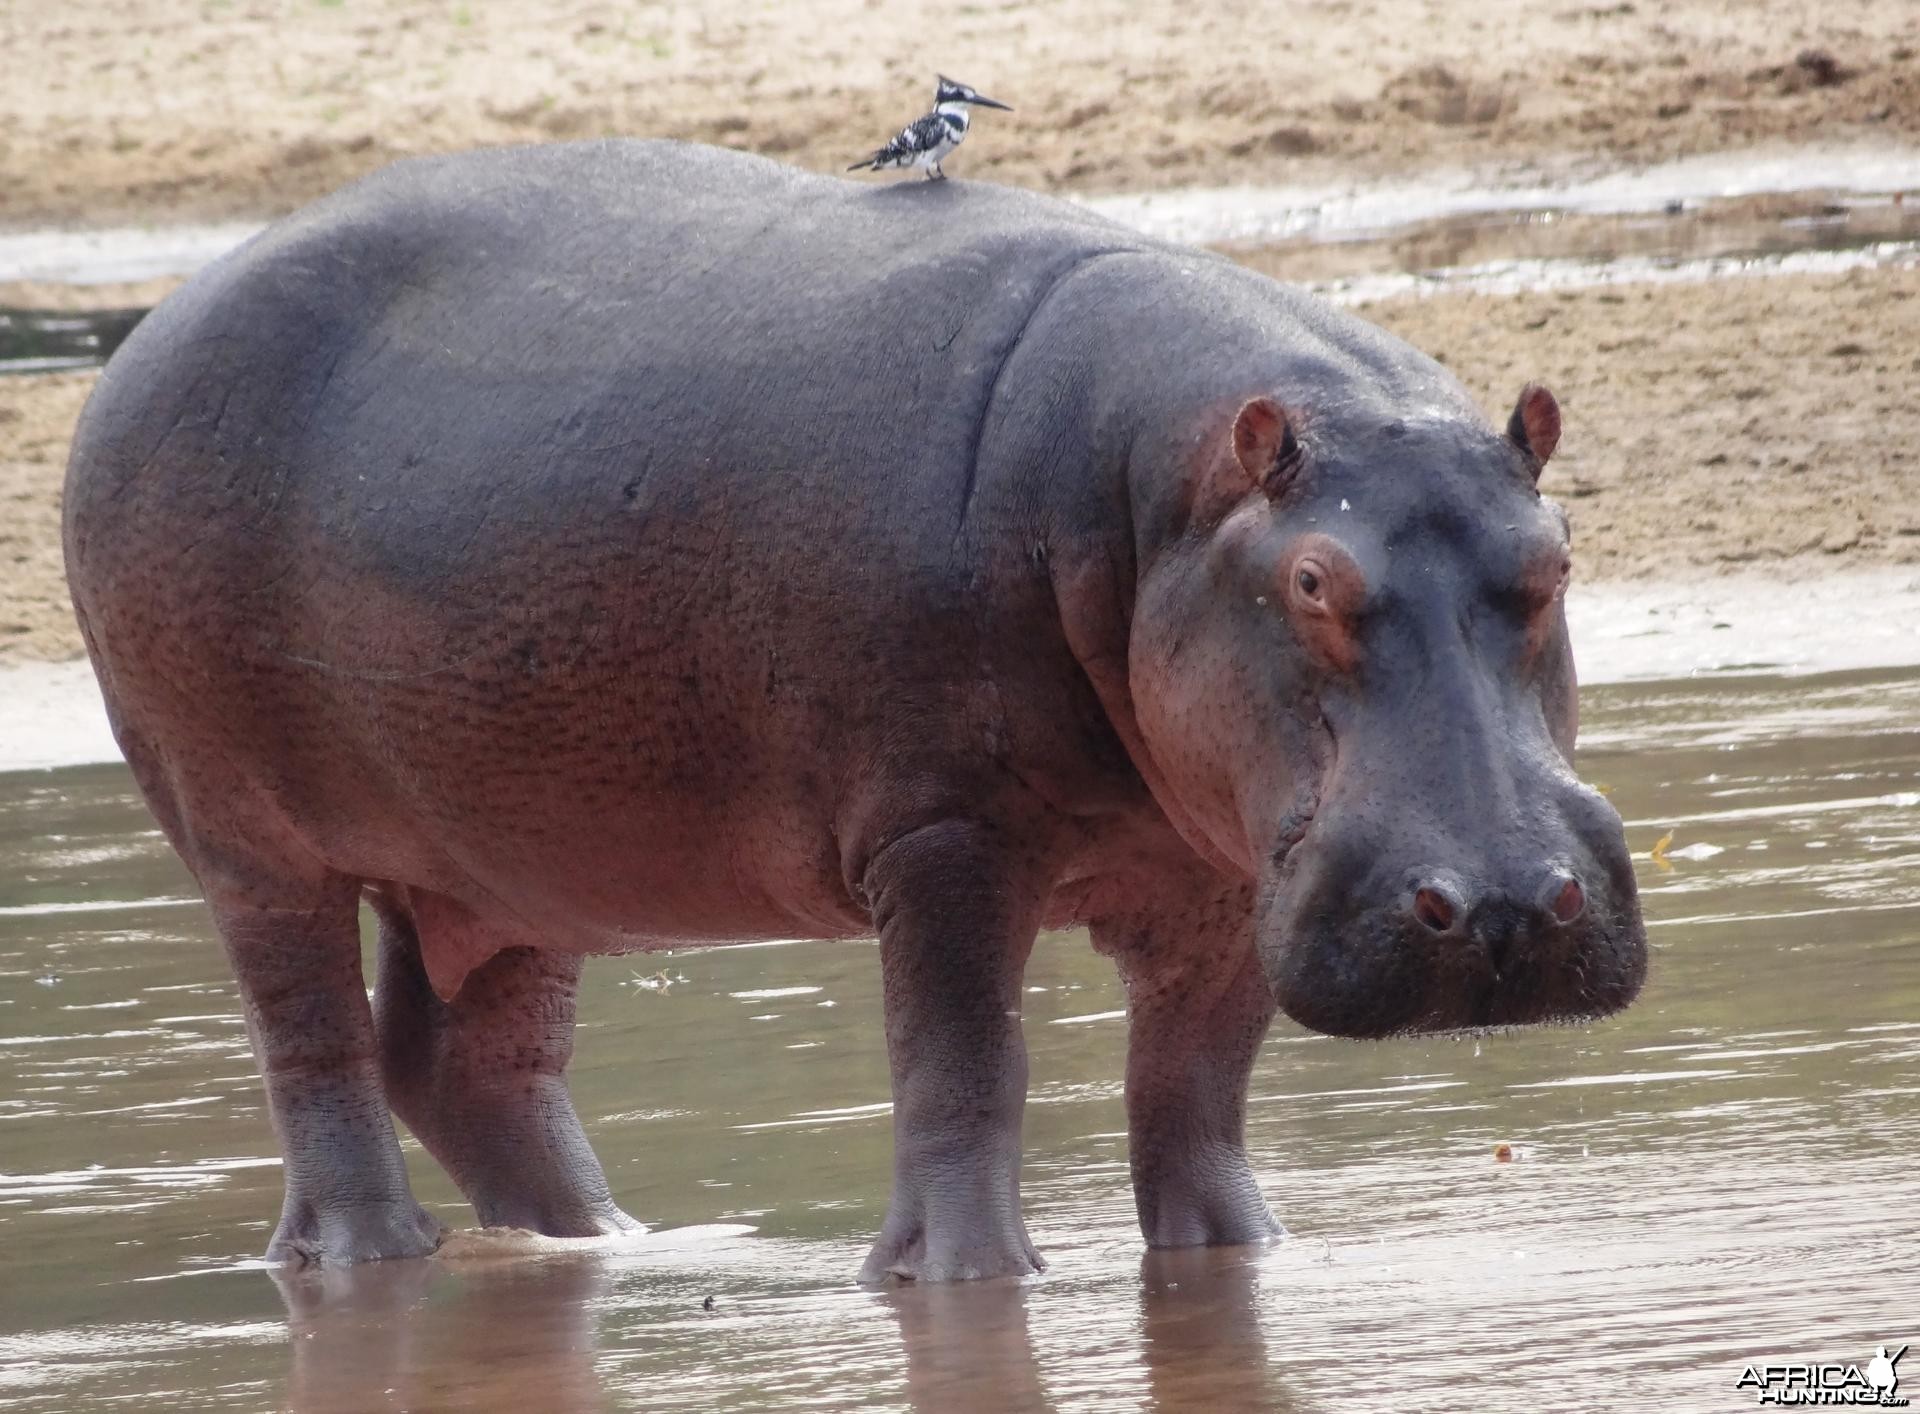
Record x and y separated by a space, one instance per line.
980 102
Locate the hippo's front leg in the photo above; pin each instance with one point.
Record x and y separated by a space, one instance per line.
1198 1006
957 906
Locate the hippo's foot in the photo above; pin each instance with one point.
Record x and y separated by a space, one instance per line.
910 1251
569 1212
1213 1202
306 1235
481 1080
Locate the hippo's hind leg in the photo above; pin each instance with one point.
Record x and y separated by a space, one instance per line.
291 928
298 965
957 909
1198 1006
482 1081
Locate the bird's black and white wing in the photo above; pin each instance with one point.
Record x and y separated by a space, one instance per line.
921 136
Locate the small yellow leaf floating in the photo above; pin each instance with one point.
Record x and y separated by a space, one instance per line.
1602 787
1503 1153
1658 854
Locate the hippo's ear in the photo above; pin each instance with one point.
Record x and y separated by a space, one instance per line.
1265 446
1535 425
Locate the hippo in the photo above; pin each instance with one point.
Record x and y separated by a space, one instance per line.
587 548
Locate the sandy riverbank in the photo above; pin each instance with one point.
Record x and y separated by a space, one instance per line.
166 109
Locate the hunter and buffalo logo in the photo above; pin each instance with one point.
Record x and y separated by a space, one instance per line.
1875 1383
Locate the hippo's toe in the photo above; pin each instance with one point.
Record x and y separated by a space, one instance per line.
350 1235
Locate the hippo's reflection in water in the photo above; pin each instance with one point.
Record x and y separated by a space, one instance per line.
969 1346
422 1335
1200 1332
522 1334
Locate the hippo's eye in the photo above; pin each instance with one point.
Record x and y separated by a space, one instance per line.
1325 594
1311 585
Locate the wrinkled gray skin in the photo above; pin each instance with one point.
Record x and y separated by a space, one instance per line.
589 548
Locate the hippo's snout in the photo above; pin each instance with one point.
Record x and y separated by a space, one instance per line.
1526 921
1440 904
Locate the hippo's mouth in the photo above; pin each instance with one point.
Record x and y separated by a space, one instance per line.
1293 831
1295 824
1377 974
1375 977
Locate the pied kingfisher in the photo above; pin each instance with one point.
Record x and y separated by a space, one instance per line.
926 141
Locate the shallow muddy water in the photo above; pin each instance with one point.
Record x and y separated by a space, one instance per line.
1725 1174
41 341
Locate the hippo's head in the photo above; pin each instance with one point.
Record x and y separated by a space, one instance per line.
1351 673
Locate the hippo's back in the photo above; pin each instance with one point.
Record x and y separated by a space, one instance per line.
547 301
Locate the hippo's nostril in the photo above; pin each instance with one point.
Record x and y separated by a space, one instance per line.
1436 907
1563 897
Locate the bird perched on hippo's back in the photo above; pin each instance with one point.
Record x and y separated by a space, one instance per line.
927 140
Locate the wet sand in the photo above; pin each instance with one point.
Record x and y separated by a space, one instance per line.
37 414
164 109
1764 423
